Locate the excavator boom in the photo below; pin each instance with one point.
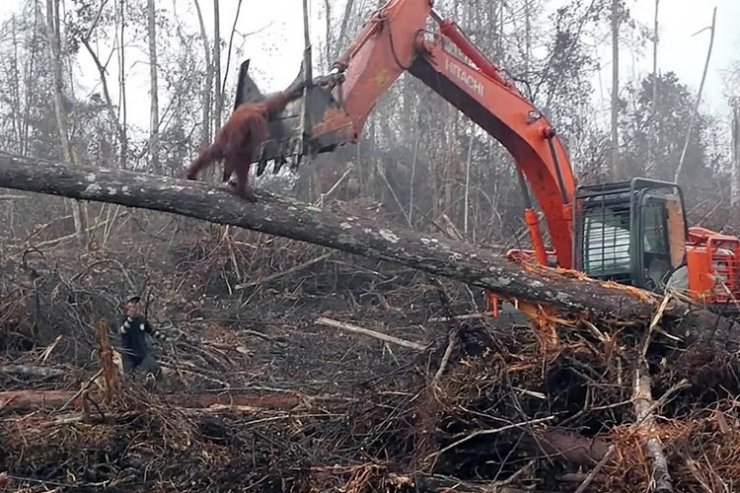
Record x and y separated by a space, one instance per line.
396 40
633 232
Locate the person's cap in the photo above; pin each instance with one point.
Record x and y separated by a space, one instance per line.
133 299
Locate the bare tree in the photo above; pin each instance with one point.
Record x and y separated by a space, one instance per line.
231 43
53 30
208 81
651 163
15 91
735 183
327 33
711 28
615 18
106 94
154 110
342 28
122 80
527 35
29 70
218 95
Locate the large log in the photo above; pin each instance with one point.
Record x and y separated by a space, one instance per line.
291 219
40 399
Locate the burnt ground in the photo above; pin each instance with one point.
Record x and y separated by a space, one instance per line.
330 410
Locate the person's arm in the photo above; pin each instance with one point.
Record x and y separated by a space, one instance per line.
126 324
124 330
155 333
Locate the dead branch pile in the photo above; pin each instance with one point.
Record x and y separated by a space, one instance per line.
545 420
504 414
305 407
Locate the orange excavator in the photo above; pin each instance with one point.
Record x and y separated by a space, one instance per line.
634 233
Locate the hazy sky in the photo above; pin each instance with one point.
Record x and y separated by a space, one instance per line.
276 48
682 50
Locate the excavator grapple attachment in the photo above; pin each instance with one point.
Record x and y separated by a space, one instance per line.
289 141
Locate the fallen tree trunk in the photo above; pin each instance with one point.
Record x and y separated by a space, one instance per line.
40 399
287 218
31 371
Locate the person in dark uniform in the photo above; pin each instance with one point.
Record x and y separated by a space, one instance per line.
137 350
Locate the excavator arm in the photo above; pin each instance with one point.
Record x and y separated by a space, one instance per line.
654 241
396 40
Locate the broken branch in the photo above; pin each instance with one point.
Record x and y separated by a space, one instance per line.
32 371
327 322
34 399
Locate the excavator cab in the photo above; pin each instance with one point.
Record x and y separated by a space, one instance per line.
630 232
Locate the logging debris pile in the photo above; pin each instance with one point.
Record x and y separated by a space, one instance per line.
271 401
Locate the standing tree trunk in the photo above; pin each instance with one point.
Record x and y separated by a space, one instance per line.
207 83
466 193
154 110
106 92
28 83
231 43
339 44
654 98
615 17
219 103
327 34
53 31
14 94
692 118
122 82
735 184
527 36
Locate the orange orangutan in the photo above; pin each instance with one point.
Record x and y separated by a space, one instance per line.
238 140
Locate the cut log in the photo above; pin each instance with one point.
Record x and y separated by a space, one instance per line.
291 219
39 399
31 371
643 402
